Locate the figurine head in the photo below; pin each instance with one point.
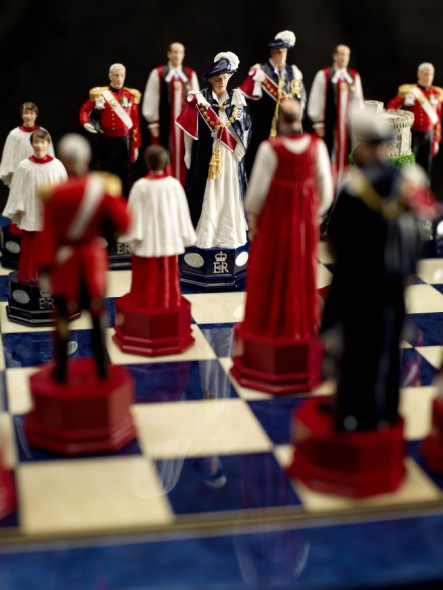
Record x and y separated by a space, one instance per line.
156 158
290 115
279 46
425 74
75 153
117 74
40 140
29 113
341 56
176 54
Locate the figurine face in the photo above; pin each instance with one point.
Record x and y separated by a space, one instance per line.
219 83
426 76
29 118
176 54
40 147
278 57
117 78
341 56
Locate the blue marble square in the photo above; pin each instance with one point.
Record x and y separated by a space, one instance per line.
425 329
413 449
439 288
219 337
228 482
180 381
30 349
275 416
28 453
4 288
415 370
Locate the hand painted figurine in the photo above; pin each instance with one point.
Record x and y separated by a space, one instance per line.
23 206
266 86
161 230
164 97
113 112
216 126
334 91
81 406
289 190
424 101
17 145
373 225
71 252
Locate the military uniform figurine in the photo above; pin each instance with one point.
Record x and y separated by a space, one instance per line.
113 111
424 101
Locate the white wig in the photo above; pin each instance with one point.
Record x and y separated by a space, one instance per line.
74 147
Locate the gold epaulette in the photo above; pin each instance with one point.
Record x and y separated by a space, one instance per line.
95 92
405 89
440 92
45 193
136 94
112 184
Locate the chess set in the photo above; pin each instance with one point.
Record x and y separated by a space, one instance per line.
207 451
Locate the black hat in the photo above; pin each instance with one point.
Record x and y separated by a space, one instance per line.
225 62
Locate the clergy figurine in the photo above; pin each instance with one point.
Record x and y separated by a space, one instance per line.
154 318
266 86
334 91
289 190
165 93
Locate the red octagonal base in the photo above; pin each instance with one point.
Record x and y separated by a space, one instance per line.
276 366
7 492
152 332
352 464
432 446
83 415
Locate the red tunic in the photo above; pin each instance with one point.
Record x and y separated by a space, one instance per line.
71 248
282 300
422 123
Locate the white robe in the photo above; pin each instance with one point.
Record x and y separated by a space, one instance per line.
222 222
24 206
161 222
17 147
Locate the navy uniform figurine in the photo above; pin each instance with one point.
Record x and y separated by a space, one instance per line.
266 86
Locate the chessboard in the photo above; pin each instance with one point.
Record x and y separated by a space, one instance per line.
209 454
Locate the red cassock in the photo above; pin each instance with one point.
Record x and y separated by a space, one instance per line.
71 249
282 298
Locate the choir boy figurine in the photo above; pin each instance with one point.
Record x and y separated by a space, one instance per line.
266 86
27 303
290 188
90 397
216 125
17 147
163 99
154 318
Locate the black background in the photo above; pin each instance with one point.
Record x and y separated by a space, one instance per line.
53 52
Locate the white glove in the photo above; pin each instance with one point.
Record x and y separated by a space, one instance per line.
409 100
90 128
